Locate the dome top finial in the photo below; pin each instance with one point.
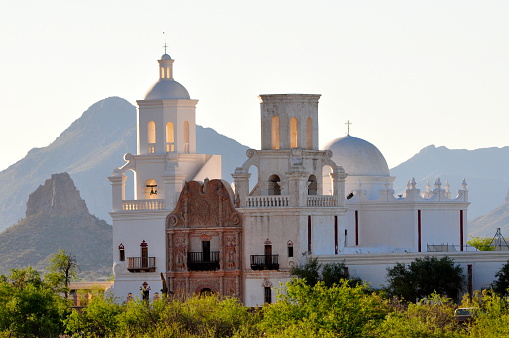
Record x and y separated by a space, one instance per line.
348 123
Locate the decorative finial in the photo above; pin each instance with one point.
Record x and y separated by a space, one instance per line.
165 45
348 123
413 183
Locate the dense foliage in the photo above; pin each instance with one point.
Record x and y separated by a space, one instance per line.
501 284
29 307
481 243
32 307
425 276
330 274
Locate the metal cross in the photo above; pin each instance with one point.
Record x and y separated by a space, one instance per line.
165 45
348 123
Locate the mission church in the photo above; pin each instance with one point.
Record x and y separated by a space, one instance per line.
190 231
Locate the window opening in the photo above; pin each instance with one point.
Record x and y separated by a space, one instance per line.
121 252
294 125
268 295
275 133
312 185
170 137
274 187
309 133
206 250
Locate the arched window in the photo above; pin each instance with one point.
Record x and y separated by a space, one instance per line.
150 189
309 133
170 137
162 72
312 185
274 187
186 136
168 72
151 137
294 135
275 133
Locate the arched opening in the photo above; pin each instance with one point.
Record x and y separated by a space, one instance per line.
151 137
170 137
130 183
150 189
253 180
294 134
162 72
312 185
327 188
186 136
309 133
168 73
205 292
275 133
274 185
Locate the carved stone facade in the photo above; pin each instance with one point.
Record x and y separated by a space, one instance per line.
204 236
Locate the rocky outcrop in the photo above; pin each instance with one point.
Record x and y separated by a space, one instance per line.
58 218
58 196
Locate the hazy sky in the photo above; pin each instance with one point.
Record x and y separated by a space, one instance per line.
407 74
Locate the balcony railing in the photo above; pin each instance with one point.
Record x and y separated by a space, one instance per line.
135 205
267 201
141 264
203 261
322 201
151 148
265 262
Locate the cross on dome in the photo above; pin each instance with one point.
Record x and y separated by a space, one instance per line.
348 123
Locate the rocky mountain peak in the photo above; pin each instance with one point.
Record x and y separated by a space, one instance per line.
57 197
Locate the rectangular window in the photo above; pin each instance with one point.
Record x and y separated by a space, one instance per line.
268 295
309 234
290 251
206 250
122 255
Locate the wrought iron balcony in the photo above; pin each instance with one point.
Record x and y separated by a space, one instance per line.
203 261
265 262
141 264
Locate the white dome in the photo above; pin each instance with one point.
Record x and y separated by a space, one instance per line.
166 89
358 157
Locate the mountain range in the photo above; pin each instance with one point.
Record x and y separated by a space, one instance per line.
93 145
89 149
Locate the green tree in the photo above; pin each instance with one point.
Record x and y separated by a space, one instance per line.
319 311
431 317
501 284
63 269
332 273
424 276
29 307
481 243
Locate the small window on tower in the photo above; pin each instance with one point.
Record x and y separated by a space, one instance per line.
121 252
290 249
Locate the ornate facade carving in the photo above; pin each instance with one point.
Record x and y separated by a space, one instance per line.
204 205
204 235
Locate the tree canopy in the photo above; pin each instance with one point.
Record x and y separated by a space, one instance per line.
63 269
425 276
501 284
330 274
